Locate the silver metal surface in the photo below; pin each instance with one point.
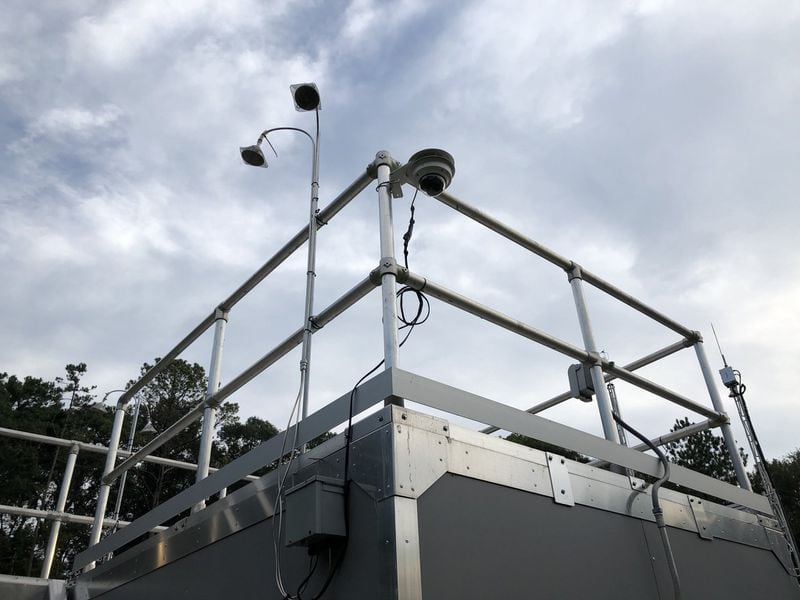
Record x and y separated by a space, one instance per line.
246 506
378 443
210 412
326 316
496 317
105 488
96 448
459 402
268 267
369 393
411 475
64 517
725 428
311 274
407 551
600 391
61 503
780 547
383 160
670 437
560 261
560 480
637 364
14 587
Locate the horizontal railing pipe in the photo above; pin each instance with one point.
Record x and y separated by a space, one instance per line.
282 349
64 517
98 449
668 438
558 260
496 317
660 390
632 366
268 267
525 330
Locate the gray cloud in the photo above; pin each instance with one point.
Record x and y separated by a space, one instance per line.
655 143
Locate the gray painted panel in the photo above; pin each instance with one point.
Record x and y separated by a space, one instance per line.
241 566
720 570
532 547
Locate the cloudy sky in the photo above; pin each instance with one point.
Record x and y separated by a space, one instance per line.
656 143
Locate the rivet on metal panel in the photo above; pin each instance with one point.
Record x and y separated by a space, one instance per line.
404 416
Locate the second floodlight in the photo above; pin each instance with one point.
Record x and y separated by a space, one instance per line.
253 156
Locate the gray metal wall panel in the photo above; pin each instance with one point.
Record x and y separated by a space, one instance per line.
720 570
241 566
480 540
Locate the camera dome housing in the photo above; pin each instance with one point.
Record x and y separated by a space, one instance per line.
430 170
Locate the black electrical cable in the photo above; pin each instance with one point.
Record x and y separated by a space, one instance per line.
658 512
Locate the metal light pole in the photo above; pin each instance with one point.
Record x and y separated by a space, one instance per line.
148 428
306 99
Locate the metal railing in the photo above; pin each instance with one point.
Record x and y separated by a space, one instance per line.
57 515
387 275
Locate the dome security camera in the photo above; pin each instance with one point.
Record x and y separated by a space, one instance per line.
430 170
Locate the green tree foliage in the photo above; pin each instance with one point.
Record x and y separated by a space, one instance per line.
31 472
785 475
703 452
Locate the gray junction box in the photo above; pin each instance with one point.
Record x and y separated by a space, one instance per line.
437 511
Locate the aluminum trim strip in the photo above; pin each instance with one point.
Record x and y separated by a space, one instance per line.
465 404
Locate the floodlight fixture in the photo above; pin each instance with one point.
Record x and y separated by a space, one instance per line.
100 404
253 156
430 170
305 96
148 427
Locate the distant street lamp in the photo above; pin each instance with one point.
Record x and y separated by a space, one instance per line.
148 429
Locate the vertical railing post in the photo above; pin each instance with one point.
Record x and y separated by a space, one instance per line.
388 265
61 505
598 380
210 412
716 400
105 488
131 437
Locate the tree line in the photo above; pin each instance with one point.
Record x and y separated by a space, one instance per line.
67 408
